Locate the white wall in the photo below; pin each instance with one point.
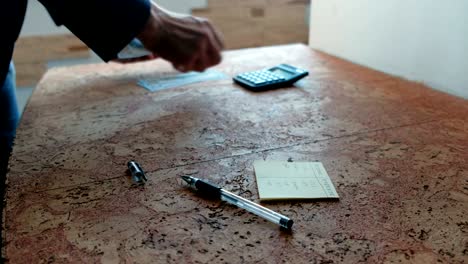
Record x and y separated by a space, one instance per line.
420 40
38 22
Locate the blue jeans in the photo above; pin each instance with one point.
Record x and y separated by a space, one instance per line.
9 117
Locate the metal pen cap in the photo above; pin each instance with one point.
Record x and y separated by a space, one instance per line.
138 175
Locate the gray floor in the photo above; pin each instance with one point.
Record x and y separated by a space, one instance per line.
24 93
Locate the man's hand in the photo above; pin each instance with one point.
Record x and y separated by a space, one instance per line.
189 43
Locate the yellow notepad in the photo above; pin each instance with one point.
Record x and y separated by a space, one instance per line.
293 180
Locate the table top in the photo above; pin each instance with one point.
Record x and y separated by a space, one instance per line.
395 150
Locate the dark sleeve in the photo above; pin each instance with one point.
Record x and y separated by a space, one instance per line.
105 26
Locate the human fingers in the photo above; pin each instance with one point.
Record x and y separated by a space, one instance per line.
209 49
197 63
216 34
208 55
202 57
212 56
206 47
214 47
202 61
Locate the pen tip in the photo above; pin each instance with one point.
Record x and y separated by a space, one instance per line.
187 179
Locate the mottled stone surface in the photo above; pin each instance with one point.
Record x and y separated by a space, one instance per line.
395 150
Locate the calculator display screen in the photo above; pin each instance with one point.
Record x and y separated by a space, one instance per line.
281 72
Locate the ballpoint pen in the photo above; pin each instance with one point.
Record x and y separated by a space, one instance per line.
214 191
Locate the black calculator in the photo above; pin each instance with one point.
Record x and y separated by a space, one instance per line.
282 75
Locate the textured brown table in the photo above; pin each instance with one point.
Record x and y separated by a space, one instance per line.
395 150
